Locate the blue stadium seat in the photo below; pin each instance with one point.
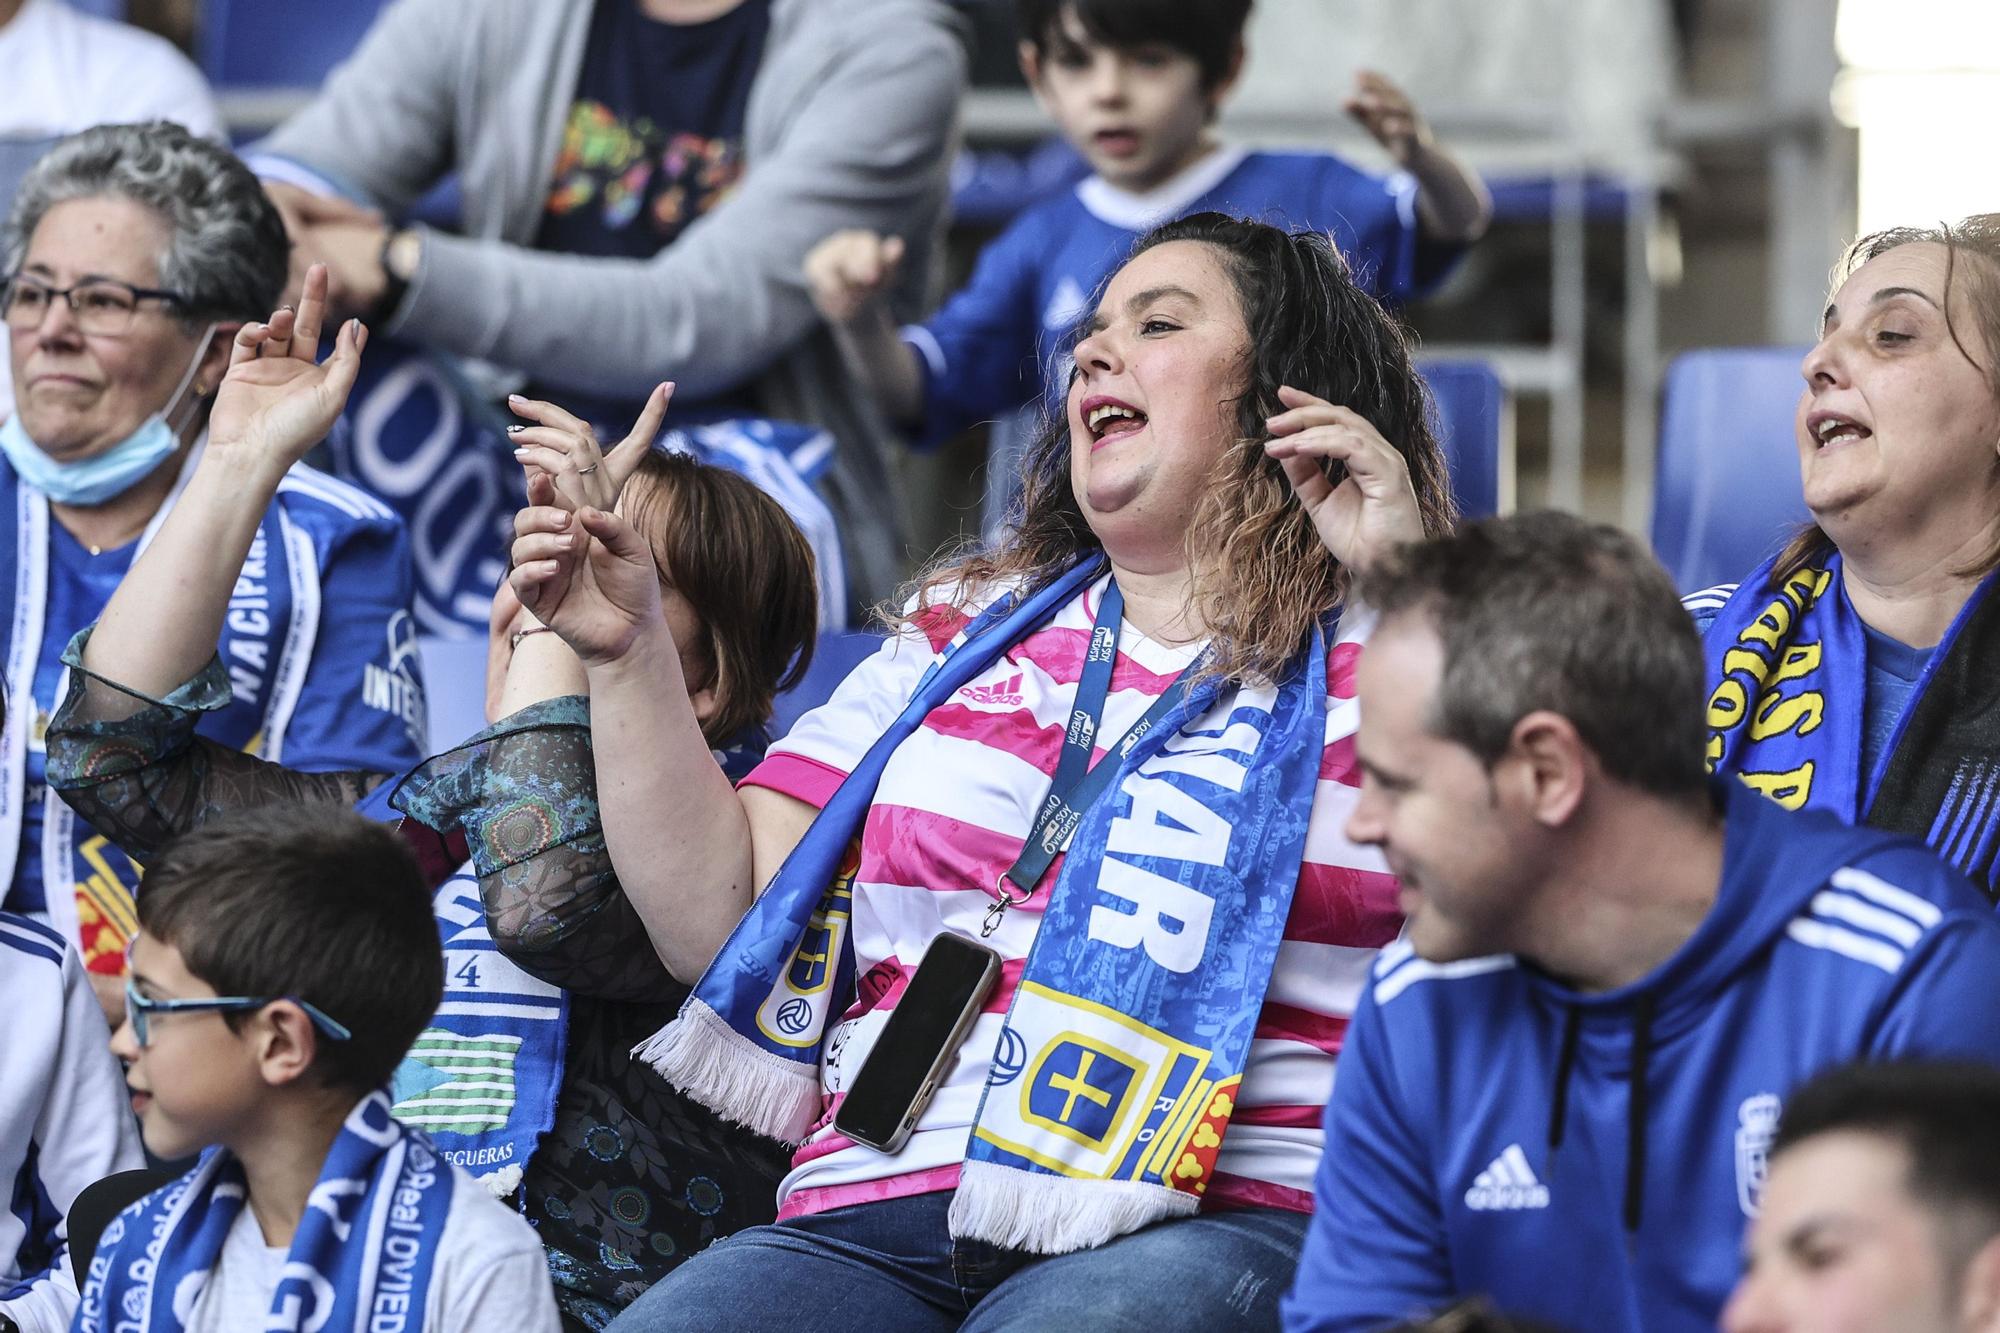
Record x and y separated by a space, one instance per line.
1475 425
257 44
1726 485
454 688
838 652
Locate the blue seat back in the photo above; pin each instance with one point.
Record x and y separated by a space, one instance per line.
454 688
1726 485
1475 424
259 44
836 653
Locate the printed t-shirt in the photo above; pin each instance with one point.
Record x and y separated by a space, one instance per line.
653 141
952 811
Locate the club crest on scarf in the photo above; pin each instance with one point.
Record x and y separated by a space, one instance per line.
796 1011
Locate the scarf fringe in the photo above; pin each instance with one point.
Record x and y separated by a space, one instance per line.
1049 1214
501 1183
700 1054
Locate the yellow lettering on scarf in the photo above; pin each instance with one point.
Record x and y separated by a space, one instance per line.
1742 659
1773 625
1726 705
1789 789
1759 662
1801 659
1776 715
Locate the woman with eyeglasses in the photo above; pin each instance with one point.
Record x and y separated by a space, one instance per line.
131 255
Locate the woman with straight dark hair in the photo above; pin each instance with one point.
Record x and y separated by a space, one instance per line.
1853 672
1102 769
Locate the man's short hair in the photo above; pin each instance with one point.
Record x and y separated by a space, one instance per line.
1942 1114
1208 31
313 902
1547 611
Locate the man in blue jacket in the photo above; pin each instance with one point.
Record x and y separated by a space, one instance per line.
1561 1087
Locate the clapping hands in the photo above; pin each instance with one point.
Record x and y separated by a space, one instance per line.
578 565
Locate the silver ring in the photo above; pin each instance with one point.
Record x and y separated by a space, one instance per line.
586 471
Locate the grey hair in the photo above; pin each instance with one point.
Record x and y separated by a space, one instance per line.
227 253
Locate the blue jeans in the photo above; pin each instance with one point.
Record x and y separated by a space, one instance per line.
893 1265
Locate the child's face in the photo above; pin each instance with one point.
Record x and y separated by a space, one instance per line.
195 1079
1136 113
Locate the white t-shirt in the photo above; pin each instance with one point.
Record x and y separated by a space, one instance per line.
65 71
490 1273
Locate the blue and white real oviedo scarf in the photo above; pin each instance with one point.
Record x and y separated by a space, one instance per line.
1142 987
1787 705
360 1260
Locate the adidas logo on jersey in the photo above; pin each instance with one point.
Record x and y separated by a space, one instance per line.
1508 1185
1007 694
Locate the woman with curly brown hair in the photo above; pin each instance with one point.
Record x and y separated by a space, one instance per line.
1175 961
1853 672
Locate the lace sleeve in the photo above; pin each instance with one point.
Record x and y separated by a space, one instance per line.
143 779
524 793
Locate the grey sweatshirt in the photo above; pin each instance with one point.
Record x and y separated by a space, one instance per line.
851 122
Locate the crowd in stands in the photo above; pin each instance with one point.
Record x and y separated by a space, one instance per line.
1652 935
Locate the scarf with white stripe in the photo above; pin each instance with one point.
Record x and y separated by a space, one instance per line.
1114 1076
1787 704
360 1259
482 1078
267 641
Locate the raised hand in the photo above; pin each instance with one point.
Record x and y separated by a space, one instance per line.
1388 114
849 269
589 576
275 402
563 448
1374 507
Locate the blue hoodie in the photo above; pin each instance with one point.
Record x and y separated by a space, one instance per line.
1591 1160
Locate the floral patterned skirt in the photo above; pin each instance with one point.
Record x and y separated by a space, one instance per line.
633 1177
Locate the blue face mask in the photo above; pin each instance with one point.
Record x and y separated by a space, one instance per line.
102 477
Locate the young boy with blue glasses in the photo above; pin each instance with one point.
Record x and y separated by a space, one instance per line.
285 960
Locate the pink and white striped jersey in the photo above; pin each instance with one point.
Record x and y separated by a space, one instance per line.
952 811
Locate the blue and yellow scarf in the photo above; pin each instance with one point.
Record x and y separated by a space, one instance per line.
1787 704
1133 1018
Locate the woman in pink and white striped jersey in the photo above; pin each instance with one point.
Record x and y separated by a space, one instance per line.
1243 428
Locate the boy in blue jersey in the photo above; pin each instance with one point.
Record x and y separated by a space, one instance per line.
1134 86
1560 1089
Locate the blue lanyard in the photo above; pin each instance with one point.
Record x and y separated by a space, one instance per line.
1076 784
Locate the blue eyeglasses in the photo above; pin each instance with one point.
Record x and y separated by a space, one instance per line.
142 1009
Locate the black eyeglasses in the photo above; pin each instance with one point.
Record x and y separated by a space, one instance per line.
104 307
